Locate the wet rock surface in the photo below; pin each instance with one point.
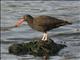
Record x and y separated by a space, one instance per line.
36 48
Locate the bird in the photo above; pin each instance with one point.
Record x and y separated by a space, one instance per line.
42 23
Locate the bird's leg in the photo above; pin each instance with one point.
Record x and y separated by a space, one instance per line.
45 37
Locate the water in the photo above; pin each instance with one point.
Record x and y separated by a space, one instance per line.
11 11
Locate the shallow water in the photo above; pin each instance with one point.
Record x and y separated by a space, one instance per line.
11 11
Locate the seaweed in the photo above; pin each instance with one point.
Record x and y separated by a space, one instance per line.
36 48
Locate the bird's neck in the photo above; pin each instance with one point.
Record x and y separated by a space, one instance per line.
30 21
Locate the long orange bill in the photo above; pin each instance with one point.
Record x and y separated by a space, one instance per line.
19 22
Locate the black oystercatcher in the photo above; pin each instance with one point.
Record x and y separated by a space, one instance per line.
42 23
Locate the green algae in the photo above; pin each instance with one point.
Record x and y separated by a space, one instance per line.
36 48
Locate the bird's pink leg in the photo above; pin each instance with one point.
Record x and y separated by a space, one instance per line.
45 36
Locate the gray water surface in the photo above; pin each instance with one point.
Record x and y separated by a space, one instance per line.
11 11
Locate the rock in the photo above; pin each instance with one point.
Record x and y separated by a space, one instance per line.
36 48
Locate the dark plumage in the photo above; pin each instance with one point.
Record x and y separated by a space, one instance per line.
44 23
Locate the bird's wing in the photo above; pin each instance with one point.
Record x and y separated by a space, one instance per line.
47 21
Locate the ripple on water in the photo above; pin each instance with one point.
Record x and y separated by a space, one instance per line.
12 10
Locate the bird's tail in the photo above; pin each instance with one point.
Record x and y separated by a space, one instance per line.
66 23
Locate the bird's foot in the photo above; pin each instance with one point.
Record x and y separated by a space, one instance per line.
44 39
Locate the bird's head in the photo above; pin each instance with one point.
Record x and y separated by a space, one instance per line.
26 17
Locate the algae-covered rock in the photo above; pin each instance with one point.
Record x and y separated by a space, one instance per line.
36 48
